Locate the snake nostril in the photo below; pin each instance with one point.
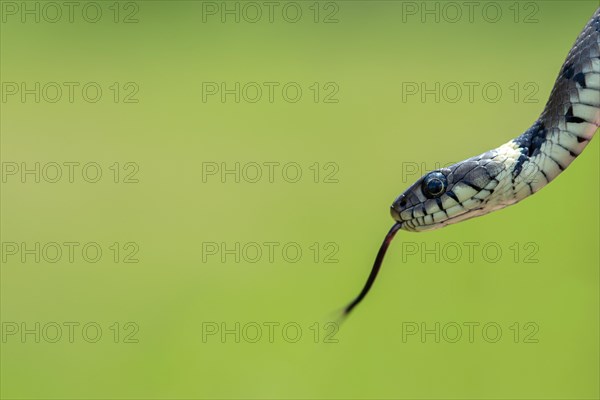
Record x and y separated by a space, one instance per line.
402 201
398 206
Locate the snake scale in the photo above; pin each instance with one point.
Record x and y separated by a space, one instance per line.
515 170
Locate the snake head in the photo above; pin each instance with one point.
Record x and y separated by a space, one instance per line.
461 191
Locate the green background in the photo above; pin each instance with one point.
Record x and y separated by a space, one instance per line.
369 133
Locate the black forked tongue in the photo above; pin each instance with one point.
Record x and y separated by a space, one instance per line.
375 269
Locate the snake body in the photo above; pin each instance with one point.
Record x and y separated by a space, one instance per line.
521 167
515 170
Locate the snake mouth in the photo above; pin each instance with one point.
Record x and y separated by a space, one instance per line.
413 225
395 214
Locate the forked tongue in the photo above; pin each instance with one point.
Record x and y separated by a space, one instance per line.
376 266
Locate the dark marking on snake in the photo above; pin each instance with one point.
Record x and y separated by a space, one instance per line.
556 162
531 141
439 203
571 118
580 78
571 153
519 164
530 187
453 196
472 185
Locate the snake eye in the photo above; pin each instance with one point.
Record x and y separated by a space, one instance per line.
434 185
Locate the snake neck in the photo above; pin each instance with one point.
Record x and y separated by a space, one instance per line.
567 124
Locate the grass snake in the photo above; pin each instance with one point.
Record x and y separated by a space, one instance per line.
514 170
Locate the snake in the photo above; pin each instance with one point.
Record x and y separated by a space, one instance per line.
515 170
